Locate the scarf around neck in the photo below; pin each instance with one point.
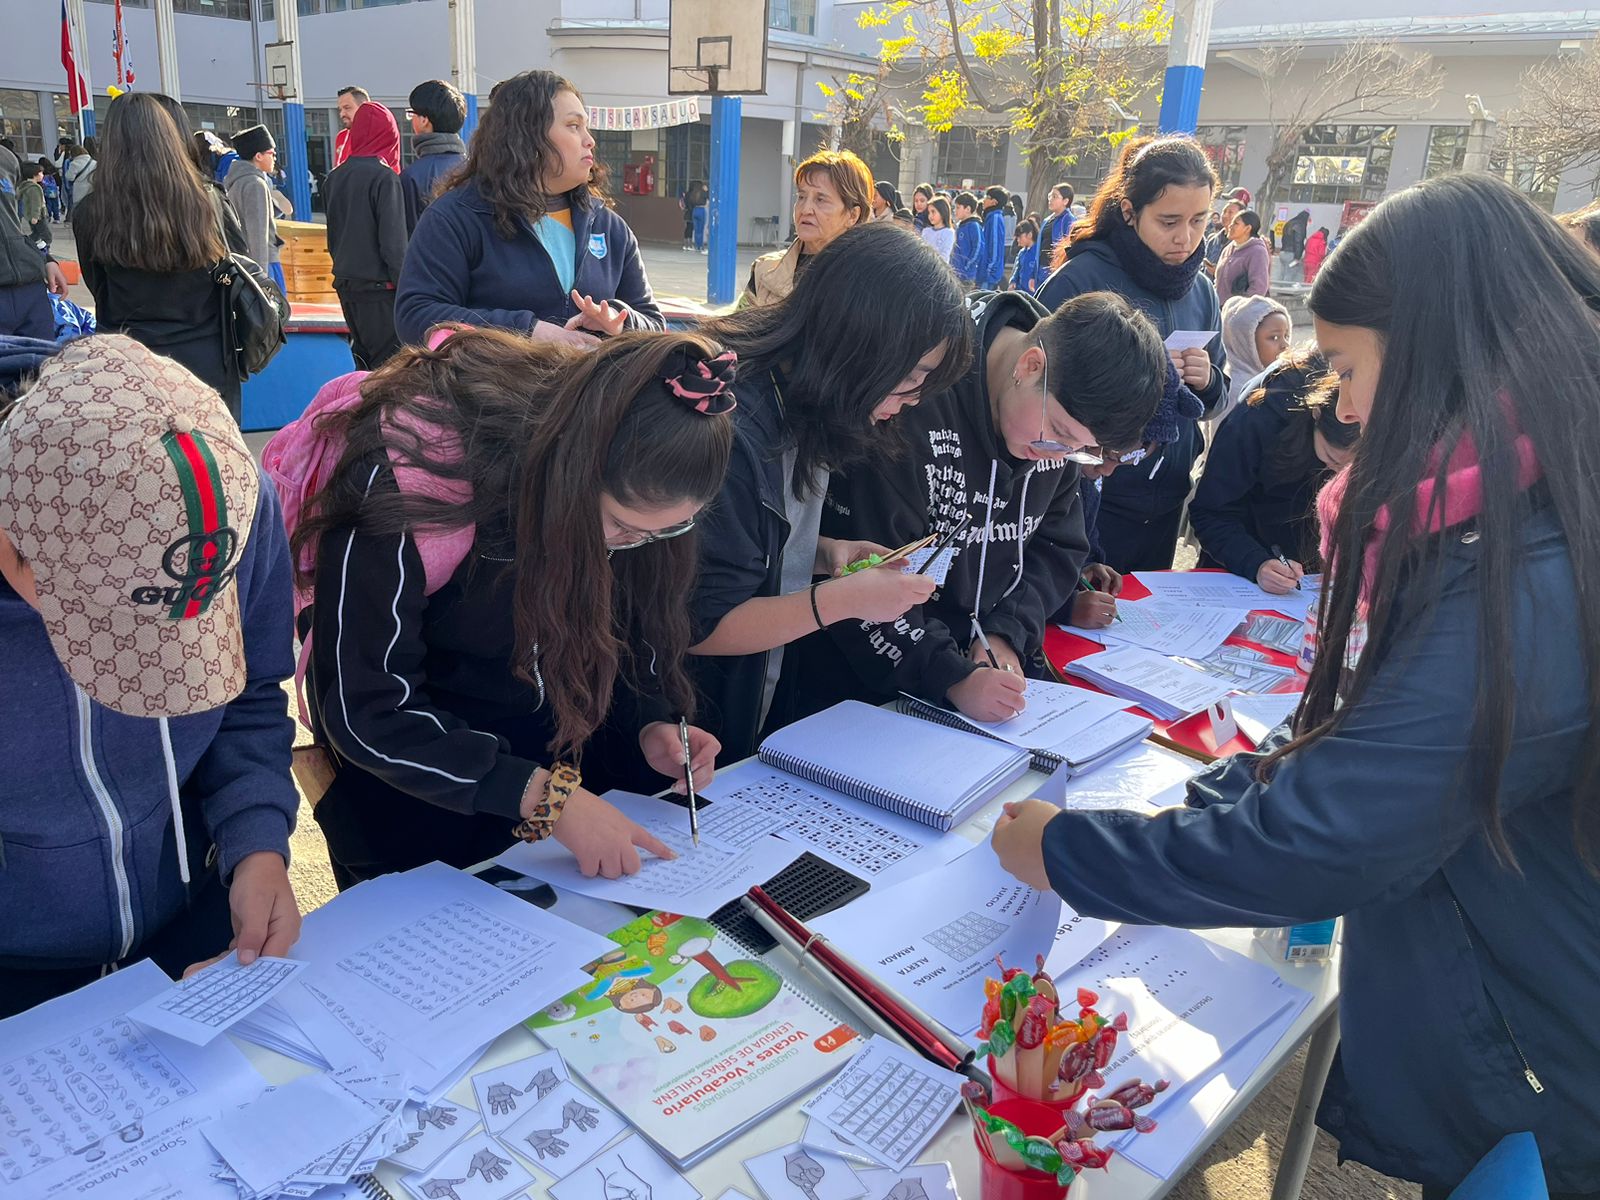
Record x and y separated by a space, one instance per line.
1147 268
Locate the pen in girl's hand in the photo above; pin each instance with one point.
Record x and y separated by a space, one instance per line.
1283 558
1085 586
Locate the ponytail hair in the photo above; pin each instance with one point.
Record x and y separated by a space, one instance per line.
1146 167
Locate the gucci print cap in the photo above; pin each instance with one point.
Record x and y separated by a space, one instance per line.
126 485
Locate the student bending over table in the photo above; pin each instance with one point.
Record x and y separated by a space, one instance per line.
1441 791
146 623
581 477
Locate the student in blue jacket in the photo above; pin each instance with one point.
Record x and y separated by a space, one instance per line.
1026 275
992 259
967 258
1144 240
525 240
1440 792
147 802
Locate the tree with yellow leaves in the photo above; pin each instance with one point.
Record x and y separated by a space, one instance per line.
1061 74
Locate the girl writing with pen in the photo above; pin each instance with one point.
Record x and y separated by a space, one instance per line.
997 456
1438 790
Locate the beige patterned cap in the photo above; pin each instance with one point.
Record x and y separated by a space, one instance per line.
125 483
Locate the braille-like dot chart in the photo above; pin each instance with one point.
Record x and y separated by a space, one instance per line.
967 936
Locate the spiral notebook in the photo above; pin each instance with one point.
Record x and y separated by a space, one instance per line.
924 772
1102 740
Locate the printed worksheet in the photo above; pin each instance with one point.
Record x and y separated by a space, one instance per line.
480 1168
564 1130
1217 589
888 1101
430 1129
799 1172
209 1001
299 1123
926 1181
1167 628
506 1093
80 1079
1055 715
934 937
698 882
630 1170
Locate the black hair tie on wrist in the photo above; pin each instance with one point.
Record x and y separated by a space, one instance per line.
704 384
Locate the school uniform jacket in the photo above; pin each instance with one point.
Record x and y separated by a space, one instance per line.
967 258
459 268
1025 541
992 264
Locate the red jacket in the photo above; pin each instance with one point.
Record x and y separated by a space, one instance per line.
1316 251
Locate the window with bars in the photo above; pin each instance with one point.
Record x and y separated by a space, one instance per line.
688 153
975 154
1447 151
1336 163
19 121
1224 146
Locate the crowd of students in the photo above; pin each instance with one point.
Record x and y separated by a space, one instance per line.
548 529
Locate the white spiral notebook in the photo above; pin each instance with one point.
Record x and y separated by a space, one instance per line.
914 768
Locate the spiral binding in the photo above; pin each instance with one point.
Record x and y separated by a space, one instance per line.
369 1186
900 805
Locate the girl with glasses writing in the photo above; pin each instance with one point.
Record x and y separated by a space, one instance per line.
456 713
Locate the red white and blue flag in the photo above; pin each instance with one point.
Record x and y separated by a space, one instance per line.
119 47
77 89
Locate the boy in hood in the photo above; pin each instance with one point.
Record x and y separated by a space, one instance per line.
145 620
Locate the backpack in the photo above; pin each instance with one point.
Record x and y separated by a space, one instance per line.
302 456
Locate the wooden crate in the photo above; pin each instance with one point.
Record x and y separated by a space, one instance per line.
307 267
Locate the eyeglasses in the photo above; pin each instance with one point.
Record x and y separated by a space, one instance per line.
1081 455
410 113
640 537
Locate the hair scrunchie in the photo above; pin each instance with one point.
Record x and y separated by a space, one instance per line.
704 384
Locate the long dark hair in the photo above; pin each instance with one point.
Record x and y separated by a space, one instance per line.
867 308
1146 167
1454 367
1302 375
542 430
154 213
511 153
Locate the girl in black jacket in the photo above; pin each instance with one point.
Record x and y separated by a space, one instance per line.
1144 240
453 715
1256 498
821 373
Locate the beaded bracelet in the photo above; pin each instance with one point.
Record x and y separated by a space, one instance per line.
563 780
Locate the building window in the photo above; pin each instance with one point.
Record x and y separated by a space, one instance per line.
267 10
66 124
793 16
233 10
1336 163
975 154
1224 146
1447 151
611 152
19 121
125 3
688 156
407 151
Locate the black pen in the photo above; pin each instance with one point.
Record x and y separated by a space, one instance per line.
1285 561
984 642
688 781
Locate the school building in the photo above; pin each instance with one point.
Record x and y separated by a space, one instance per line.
615 51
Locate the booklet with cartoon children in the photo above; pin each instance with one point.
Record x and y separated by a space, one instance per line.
690 1036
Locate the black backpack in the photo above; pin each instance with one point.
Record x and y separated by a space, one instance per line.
253 313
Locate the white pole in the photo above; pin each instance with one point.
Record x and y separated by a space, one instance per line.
78 31
464 57
167 48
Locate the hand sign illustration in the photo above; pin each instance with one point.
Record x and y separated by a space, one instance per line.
432 1114
502 1099
804 1172
624 1184
908 1189
545 1082
576 1113
488 1164
441 1189
546 1143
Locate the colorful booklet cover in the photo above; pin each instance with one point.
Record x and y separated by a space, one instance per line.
690 1036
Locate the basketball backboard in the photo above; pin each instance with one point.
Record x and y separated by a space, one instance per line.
717 47
280 70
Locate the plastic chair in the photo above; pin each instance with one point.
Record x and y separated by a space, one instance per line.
1511 1171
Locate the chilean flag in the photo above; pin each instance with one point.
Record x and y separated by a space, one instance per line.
77 90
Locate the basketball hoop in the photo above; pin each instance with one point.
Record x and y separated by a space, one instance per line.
717 47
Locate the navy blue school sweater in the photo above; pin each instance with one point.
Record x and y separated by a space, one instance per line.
459 268
992 261
967 258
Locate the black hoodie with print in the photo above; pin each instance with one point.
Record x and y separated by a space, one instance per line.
957 467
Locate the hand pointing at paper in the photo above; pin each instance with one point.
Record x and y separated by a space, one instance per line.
1019 840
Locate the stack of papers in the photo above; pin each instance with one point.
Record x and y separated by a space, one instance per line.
1060 724
1167 627
1219 589
1165 689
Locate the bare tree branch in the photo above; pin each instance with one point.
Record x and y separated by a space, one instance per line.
1557 119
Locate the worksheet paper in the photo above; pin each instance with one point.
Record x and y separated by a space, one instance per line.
695 884
1137 780
926 1181
1243 669
480 1168
264 1141
819 1137
1190 339
940 567
801 1172
1190 1004
81 1083
1217 589
1166 628
414 972
864 839
1165 689
1260 715
505 1093
934 938
630 1170
209 1001
1055 715
888 1101
563 1131
430 1129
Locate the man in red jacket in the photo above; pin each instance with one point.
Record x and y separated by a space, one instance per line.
350 101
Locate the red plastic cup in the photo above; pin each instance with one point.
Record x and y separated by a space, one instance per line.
997 1182
1061 1101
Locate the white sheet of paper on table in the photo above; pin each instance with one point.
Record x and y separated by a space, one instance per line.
1244 669
733 1194
1169 628
431 1129
696 883
819 1137
563 1131
1190 339
1055 714
925 1181
799 1172
630 1170
888 1101
934 937
1260 715
285 1128
51 1128
200 1007
505 1093
1140 779
479 1168
861 838
1151 680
